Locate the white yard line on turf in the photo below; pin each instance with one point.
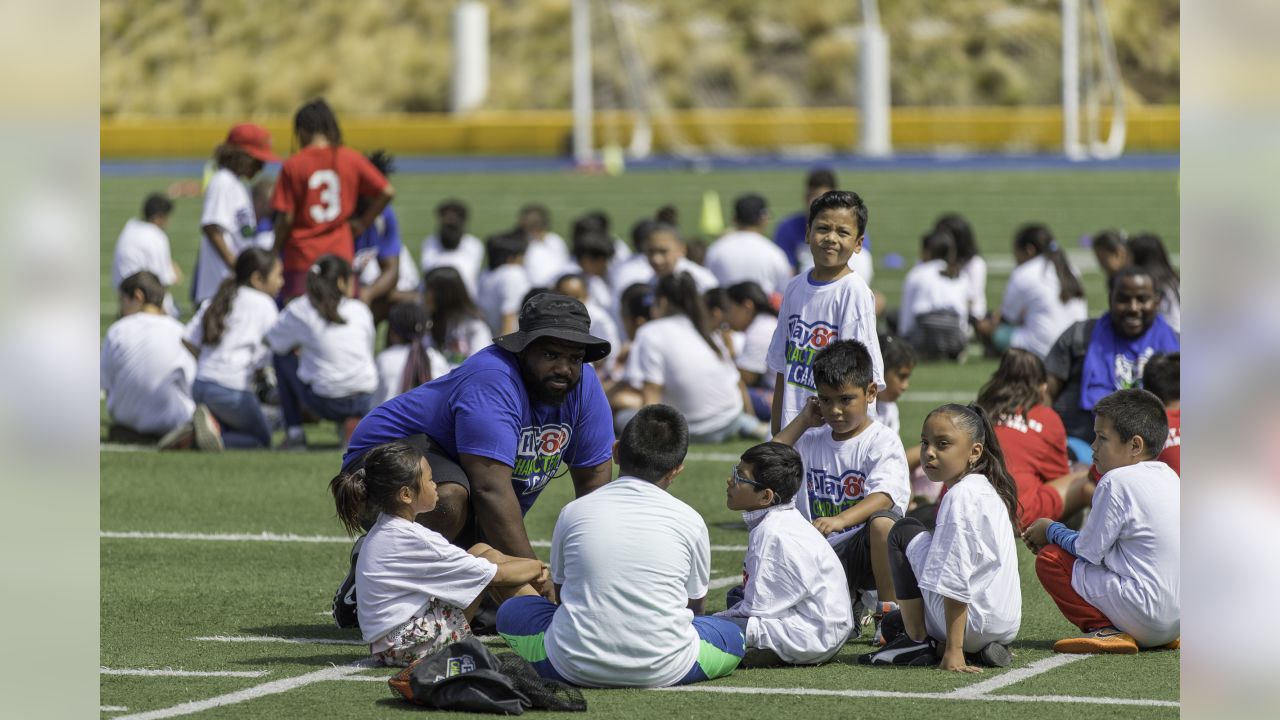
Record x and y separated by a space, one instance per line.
274 639
113 708
170 672
271 688
727 690
1016 676
291 538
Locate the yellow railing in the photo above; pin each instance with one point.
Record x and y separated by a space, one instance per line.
546 132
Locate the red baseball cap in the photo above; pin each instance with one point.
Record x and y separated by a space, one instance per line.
253 139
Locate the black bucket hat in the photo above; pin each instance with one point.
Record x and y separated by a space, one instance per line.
555 316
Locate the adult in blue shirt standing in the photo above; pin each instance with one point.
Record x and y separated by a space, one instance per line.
497 428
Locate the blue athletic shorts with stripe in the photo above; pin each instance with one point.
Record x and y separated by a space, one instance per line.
523 623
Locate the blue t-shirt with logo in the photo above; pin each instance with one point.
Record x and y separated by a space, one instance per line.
482 408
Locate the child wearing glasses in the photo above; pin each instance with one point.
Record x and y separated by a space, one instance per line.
855 470
795 604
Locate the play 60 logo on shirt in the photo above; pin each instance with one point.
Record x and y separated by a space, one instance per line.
538 456
804 340
829 496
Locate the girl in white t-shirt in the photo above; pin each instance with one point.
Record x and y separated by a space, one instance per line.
227 222
228 332
407 362
750 313
415 591
958 587
934 316
1043 298
458 328
973 268
506 282
333 372
675 360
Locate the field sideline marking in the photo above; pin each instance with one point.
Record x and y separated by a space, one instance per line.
274 639
271 688
730 690
170 672
1016 676
290 537
112 708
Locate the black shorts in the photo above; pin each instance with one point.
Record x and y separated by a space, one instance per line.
855 554
443 470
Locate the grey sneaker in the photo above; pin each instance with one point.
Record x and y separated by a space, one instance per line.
208 431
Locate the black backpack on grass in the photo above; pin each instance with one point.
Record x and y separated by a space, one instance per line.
466 677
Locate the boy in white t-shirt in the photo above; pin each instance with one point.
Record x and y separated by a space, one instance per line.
506 282
631 565
855 470
795 600
1118 578
828 303
144 245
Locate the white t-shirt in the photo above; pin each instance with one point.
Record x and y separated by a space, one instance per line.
696 381
887 414
403 566
812 317
408 278
745 255
754 356
467 258
1127 552
926 289
228 205
1171 310
501 292
635 270
598 290
147 373
970 557
391 363
795 593
603 327
462 339
1031 303
142 246
336 360
702 277
841 473
629 557
545 258
974 274
241 350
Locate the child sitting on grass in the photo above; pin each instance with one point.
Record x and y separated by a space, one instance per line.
795 602
417 592
855 467
1117 579
958 585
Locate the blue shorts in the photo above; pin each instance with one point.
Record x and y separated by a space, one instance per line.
523 623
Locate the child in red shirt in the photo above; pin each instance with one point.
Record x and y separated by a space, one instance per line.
315 196
1033 438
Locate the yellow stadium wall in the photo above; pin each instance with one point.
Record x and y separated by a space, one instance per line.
1033 129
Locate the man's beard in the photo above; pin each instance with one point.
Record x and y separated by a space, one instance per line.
539 392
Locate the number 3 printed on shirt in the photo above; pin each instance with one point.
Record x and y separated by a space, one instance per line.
330 196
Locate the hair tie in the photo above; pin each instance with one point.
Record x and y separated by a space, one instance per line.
358 476
1053 246
315 269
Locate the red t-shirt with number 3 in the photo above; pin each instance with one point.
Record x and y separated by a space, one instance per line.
318 186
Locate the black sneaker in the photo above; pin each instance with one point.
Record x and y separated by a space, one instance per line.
903 651
994 655
890 628
344 601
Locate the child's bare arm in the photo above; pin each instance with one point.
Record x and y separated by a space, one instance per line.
808 418
775 417
511 570
856 515
957 615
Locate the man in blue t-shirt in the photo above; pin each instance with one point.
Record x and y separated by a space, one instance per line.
499 427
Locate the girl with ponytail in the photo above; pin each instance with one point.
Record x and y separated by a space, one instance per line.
416 592
333 371
407 362
1043 298
958 586
226 333
750 313
675 360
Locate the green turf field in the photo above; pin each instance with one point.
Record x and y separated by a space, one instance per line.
183 589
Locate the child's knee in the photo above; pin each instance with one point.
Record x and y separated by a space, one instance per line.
480 549
903 532
880 526
1049 562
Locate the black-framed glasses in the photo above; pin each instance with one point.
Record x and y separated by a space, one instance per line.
738 479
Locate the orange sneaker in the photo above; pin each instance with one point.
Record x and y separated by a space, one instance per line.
1106 640
1175 644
